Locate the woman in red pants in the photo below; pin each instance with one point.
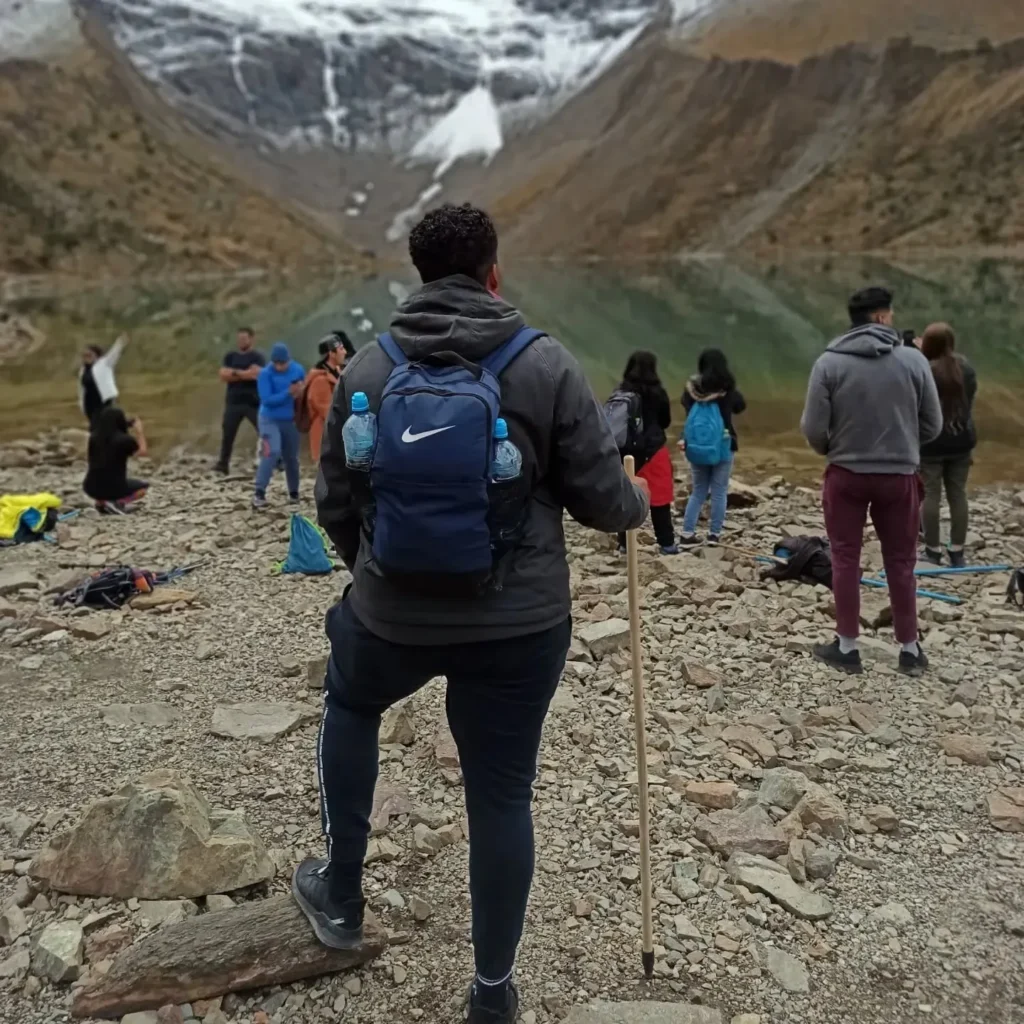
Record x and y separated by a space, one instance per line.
654 462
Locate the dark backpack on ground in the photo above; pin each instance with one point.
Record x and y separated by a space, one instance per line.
109 588
624 413
438 524
1015 589
808 560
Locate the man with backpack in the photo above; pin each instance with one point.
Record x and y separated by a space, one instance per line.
458 570
871 403
314 404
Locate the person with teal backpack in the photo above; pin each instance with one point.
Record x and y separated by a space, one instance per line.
709 442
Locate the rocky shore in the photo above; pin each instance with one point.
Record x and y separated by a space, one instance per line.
825 849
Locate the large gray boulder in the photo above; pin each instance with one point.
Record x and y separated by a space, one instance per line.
155 839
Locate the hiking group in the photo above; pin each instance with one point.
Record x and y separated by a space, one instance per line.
449 452
278 399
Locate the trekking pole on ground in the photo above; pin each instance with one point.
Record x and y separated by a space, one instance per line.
639 722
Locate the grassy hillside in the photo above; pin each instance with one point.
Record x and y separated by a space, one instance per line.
855 150
97 178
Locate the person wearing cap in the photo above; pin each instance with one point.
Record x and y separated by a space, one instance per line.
320 384
278 384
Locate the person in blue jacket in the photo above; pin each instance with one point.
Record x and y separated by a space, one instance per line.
279 384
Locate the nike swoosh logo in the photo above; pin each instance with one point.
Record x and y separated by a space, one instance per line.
409 437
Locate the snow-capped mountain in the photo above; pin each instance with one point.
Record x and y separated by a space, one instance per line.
374 75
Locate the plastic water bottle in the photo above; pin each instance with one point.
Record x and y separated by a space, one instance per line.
508 459
360 434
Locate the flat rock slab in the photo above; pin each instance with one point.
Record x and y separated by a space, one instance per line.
162 598
261 720
255 945
643 1013
14 580
156 715
751 831
762 875
605 637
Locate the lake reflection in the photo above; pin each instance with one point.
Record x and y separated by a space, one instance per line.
771 321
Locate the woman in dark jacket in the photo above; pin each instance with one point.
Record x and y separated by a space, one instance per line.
113 440
641 378
713 382
946 461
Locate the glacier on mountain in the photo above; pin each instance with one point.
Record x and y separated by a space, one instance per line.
388 76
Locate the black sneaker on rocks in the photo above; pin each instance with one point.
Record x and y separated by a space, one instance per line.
337 925
294 499
690 543
714 540
956 559
831 654
933 555
479 1014
259 503
913 664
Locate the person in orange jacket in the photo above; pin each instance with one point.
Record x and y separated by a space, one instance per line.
320 384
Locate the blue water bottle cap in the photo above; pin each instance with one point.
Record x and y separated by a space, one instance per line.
500 430
360 403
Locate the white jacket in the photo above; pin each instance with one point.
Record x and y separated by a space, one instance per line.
103 374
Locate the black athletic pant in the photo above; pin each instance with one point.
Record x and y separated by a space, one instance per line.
661 520
497 699
234 413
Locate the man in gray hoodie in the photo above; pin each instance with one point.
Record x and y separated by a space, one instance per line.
502 652
871 404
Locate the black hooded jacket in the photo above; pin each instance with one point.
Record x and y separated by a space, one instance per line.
568 451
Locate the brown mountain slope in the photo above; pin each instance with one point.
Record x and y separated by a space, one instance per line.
98 177
852 150
792 30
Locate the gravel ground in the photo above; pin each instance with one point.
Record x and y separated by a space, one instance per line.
927 897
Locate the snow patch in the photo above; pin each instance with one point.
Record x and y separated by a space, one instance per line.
36 28
471 128
404 219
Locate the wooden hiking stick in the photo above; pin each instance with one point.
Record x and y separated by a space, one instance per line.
640 724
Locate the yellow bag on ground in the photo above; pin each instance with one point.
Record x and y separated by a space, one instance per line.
14 506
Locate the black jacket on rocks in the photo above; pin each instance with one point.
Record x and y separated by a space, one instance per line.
568 452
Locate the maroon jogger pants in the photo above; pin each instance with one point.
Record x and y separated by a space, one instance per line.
895 505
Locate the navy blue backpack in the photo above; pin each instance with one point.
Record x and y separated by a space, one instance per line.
440 526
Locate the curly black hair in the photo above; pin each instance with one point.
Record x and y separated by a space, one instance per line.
454 240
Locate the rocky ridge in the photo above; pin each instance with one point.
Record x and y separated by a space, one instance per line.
825 848
856 149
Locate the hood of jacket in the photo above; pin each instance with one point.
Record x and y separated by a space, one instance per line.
455 314
319 371
696 392
870 341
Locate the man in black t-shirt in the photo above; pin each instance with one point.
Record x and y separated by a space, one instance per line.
239 371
